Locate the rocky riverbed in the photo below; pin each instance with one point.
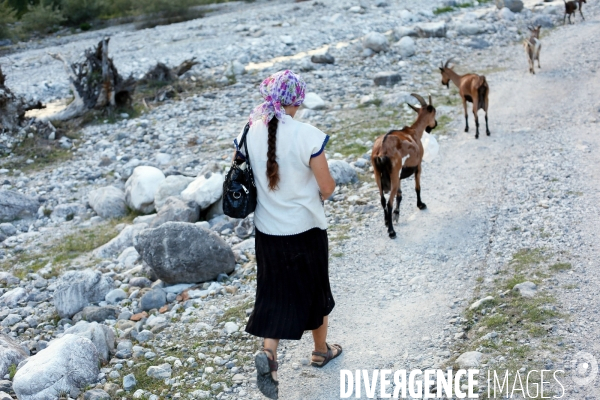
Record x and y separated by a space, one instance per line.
89 243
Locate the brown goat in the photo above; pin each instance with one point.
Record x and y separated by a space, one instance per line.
571 7
533 46
397 155
472 88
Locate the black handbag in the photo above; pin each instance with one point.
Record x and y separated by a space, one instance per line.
239 189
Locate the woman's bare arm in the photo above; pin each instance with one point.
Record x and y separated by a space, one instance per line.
320 168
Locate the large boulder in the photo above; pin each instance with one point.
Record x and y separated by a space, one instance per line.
176 209
141 187
512 5
342 172
101 335
76 289
179 252
205 190
11 353
375 41
108 202
14 205
173 185
406 47
119 243
313 101
67 365
432 29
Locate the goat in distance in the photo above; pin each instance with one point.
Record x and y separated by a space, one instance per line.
398 155
571 7
533 46
472 88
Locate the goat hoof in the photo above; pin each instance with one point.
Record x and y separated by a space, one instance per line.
422 206
392 234
488 133
476 136
466 129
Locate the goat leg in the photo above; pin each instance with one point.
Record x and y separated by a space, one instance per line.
476 118
391 232
466 115
397 210
487 129
581 13
384 205
420 204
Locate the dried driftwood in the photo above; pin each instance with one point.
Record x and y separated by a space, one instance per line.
95 83
13 107
164 74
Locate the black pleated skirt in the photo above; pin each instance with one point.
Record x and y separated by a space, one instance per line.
293 292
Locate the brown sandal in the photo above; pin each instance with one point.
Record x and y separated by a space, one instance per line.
264 380
326 356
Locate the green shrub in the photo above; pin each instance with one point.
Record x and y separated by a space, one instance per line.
166 8
79 11
7 16
42 19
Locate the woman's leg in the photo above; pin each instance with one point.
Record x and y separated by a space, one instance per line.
320 337
272 344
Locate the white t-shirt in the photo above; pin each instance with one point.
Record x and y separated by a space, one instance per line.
295 207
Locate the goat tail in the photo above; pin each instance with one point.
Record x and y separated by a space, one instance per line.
384 166
482 92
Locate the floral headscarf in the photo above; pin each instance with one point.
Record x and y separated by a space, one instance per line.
283 88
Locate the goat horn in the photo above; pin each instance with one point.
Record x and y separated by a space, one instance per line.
429 99
447 62
413 107
421 100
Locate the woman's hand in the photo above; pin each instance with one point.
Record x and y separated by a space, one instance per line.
320 168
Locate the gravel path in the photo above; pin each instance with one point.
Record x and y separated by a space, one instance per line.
394 297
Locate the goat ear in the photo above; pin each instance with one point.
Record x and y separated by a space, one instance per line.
413 107
441 69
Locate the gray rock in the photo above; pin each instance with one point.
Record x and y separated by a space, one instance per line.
175 209
141 187
406 46
14 205
480 302
8 229
155 298
432 29
342 172
376 42
543 20
76 289
245 228
115 296
11 319
162 371
325 58
387 78
67 365
6 386
506 14
96 394
13 297
478 43
205 190
108 202
97 314
173 185
470 359
403 31
8 279
231 327
512 5
183 253
144 336
313 101
215 210
129 382
66 212
470 28
526 289
5 396
123 240
11 353
101 335
140 281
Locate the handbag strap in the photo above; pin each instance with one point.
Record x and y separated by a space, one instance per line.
244 142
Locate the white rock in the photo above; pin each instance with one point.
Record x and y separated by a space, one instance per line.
205 190
122 241
231 327
128 257
506 14
470 28
470 359
67 365
526 289
312 101
141 187
432 29
162 371
11 353
406 46
13 297
173 185
376 41
480 302
65 212
101 335
342 172
115 296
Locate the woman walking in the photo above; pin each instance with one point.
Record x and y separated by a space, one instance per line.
292 178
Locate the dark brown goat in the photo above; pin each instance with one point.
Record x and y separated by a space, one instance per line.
472 88
398 155
533 46
571 7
